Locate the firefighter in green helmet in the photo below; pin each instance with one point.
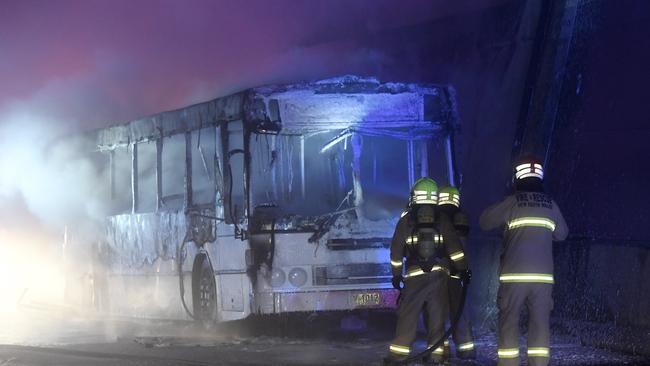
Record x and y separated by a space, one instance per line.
420 256
449 204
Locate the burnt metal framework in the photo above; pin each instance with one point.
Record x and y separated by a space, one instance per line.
259 111
216 114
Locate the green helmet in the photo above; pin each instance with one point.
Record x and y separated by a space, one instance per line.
425 191
449 196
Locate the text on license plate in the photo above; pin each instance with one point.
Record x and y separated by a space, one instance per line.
366 299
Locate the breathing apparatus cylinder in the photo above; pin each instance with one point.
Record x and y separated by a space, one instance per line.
426 235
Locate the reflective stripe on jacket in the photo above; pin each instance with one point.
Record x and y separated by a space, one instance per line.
531 222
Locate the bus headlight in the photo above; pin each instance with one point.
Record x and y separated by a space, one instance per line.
298 277
277 277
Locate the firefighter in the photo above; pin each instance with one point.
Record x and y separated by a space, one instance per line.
532 221
449 204
427 241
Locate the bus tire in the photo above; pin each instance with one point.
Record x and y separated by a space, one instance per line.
204 290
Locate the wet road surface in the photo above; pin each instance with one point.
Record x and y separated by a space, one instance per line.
328 339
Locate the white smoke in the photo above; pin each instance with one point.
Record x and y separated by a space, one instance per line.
49 181
50 168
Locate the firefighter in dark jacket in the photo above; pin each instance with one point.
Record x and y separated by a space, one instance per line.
427 240
531 221
449 204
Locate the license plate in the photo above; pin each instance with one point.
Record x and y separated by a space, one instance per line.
366 299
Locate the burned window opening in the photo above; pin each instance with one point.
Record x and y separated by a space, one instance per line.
120 180
203 166
146 177
173 172
286 168
384 174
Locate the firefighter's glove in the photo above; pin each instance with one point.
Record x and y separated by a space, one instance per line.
466 276
397 282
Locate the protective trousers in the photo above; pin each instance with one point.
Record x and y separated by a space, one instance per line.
424 292
538 300
462 335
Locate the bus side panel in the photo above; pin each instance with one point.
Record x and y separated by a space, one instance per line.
141 265
234 290
148 295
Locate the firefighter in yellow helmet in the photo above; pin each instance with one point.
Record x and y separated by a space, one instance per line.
426 240
449 204
532 221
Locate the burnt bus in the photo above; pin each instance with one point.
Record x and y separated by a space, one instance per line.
275 199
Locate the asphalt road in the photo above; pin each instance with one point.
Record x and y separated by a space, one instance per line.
326 339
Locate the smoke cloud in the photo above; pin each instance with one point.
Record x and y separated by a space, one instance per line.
48 183
91 63
49 170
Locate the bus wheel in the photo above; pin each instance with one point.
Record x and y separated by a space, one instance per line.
204 292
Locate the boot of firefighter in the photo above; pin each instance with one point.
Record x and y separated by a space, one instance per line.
439 356
469 354
435 359
392 360
446 350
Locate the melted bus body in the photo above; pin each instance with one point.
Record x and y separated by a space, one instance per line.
275 199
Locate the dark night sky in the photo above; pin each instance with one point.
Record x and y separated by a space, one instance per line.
99 62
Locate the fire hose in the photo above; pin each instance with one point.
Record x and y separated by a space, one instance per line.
181 280
465 280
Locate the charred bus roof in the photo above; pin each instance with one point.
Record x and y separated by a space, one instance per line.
348 102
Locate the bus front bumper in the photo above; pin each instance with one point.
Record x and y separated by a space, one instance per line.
280 302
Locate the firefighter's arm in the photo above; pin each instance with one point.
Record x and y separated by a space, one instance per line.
496 215
397 248
453 245
561 230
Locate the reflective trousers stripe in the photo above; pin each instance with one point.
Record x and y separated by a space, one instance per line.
508 352
526 277
538 352
396 263
437 351
465 346
401 350
532 352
